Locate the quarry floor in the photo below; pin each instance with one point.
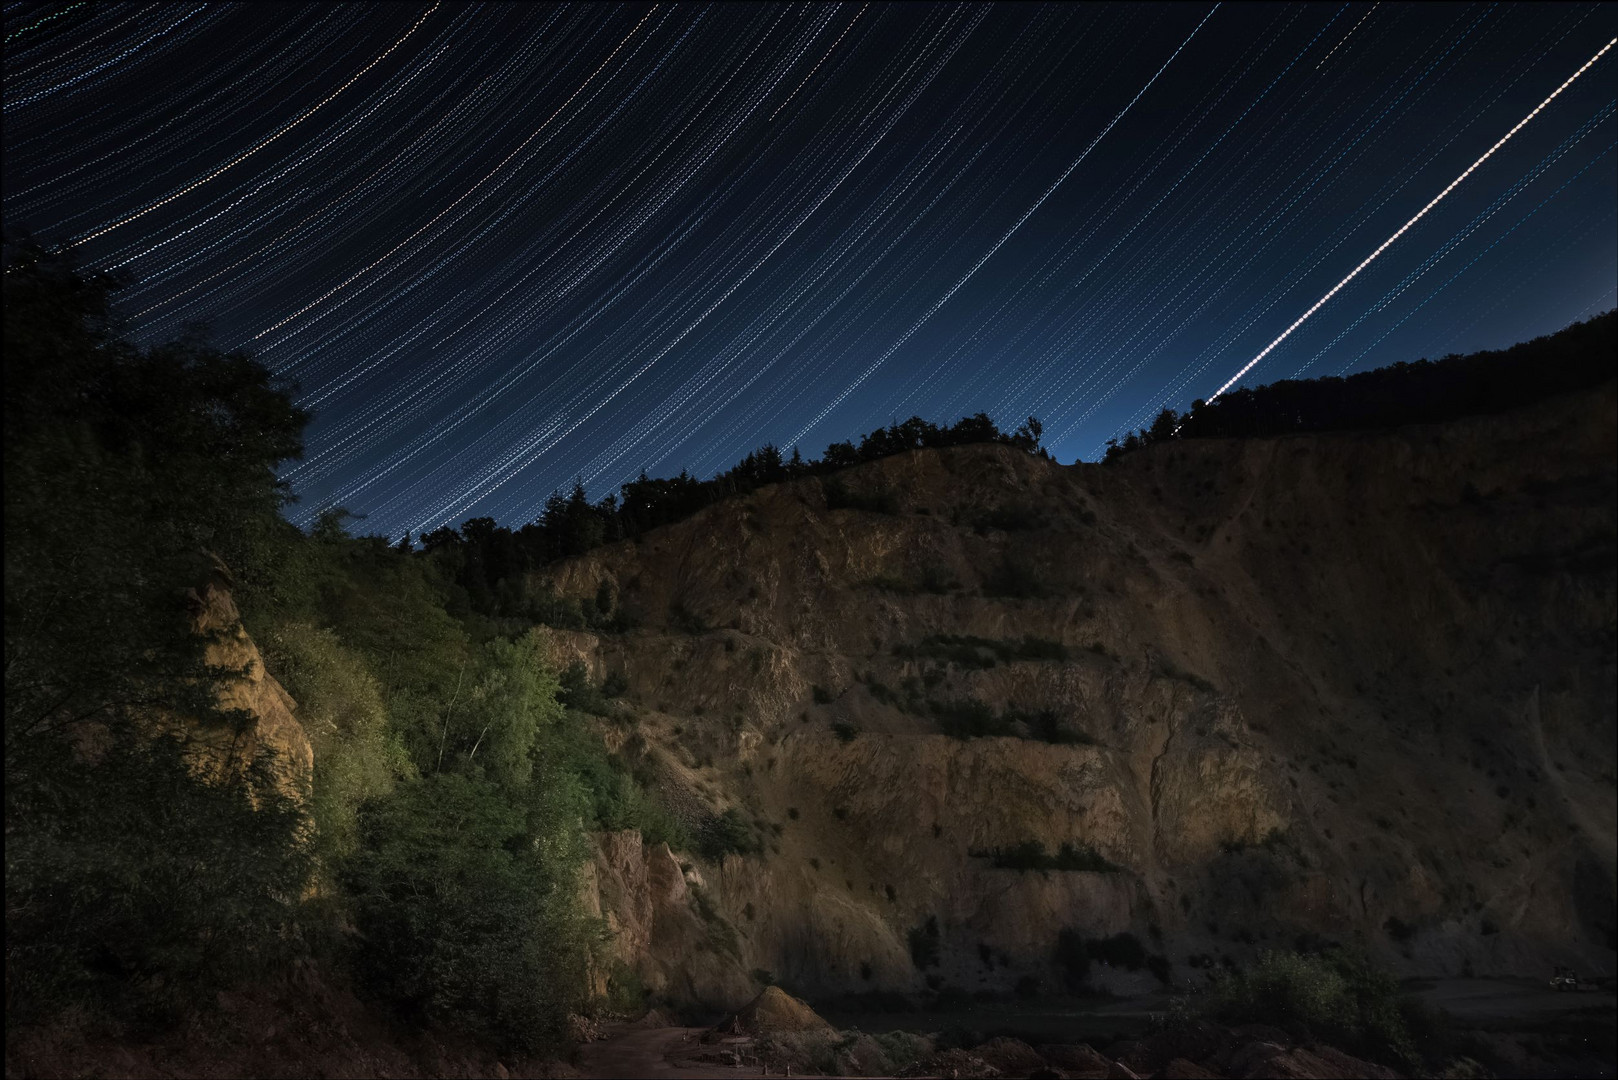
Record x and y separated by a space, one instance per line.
1502 1004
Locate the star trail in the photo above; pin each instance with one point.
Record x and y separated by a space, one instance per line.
503 247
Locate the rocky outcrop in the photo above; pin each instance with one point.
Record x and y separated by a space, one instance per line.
267 728
662 926
774 1011
1357 685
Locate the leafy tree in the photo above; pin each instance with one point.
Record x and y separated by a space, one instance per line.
131 887
341 709
128 880
462 891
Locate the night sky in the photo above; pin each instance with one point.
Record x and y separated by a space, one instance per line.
504 247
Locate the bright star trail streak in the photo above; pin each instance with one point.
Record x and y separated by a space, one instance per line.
502 248
1453 184
238 159
998 244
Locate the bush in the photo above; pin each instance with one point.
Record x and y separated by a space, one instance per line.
1338 996
685 620
150 890
1014 579
340 708
1009 519
968 718
463 899
1072 959
576 691
614 798
937 580
821 695
728 833
1046 726
1120 950
924 941
967 651
840 497
1031 855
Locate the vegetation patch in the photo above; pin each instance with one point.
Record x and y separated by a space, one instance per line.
1426 392
1015 518
839 496
924 943
1031 855
970 652
969 718
1337 995
1015 579
726 834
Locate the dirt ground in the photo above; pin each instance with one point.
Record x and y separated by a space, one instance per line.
1485 1001
658 1052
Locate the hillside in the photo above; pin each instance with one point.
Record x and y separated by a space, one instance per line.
1356 686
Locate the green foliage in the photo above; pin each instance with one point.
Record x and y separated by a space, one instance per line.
462 893
1338 996
1046 725
969 718
131 887
1577 357
451 795
839 496
924 943
1013 518
687 621
577 692
356 756
968 651
845 731
615 798
626 992
728 833
1120 950
1016 579
1031 855
1072 959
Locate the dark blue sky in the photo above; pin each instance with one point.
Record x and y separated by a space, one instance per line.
501 247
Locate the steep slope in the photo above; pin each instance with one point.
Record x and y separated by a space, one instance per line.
1357 685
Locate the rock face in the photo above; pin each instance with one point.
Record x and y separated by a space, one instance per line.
270 729
775 1011
661 927
1357 685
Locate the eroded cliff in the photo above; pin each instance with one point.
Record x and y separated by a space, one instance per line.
1357 685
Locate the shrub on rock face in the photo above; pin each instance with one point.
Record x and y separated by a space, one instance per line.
924 940
1072 959
726 834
